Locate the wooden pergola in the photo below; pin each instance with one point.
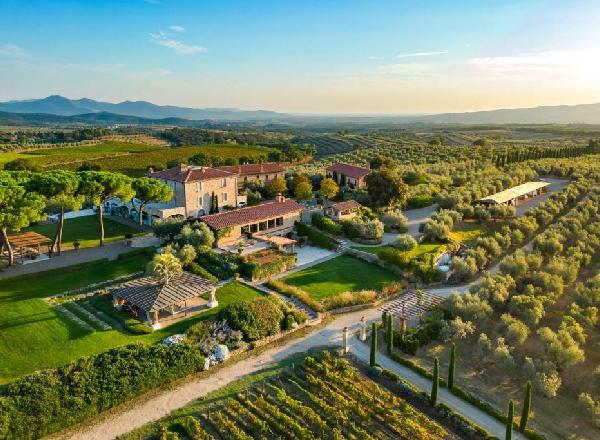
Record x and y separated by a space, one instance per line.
21 241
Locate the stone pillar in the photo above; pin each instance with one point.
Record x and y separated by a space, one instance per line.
403 325
363 329
346 347
212 303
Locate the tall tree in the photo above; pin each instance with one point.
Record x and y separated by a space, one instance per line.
329 188
303 191
386 188
452 367
526 408
277 185
101 186
61 189
390 334
436 383
509 420
149 190
373 358
18 208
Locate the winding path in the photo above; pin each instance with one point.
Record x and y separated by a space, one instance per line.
163 404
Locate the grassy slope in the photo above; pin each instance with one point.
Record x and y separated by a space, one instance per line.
34 336
339 275
86 230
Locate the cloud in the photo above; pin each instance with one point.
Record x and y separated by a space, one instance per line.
177 28
570 63
12 51
421 54
164 39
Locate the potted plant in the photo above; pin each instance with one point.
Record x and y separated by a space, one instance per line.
76 244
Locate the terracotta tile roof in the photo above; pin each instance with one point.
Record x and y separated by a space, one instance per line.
150 294
345 205
253 168
191 174
251 214
349 170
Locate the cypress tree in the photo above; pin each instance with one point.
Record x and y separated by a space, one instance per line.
436 382
509 420
373 359
390 335
526 408
452 367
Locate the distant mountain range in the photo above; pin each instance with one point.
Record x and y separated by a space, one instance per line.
59 105
60 110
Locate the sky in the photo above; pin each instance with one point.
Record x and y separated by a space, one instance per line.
305 56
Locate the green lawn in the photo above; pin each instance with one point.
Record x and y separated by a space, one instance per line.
468 233
86 230
34 336
420 250
339 275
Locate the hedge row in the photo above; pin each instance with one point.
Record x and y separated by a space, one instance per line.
465 395
315 236
258 271
45 402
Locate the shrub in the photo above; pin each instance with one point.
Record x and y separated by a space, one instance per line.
405 243
483 347
222 266
502 354
364 230
561 347
315 237
548 383
206 335
394 221
516 331
41 403
263 264
456 329
326 224
256 319
196 269
469 306
346 299
591 407
295 292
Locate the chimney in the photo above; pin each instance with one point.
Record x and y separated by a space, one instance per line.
183 166
280 198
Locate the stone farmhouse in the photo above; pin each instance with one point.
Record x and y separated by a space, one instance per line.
255 172
347 175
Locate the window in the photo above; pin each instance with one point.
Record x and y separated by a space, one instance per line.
253 228
279 221
198 186
245 229
271 223
199 201
224 197
223 183
262 226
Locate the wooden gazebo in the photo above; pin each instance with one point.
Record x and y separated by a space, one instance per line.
22 243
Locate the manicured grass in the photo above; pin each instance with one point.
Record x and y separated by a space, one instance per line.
419 251
35 336
86 230
339 275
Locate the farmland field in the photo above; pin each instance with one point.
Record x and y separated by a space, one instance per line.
36 336
318 397
127 157
340 274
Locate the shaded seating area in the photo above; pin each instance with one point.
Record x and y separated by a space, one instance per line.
26 246
283 244
161 303
512 195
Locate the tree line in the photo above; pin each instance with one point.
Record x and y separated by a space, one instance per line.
27 197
